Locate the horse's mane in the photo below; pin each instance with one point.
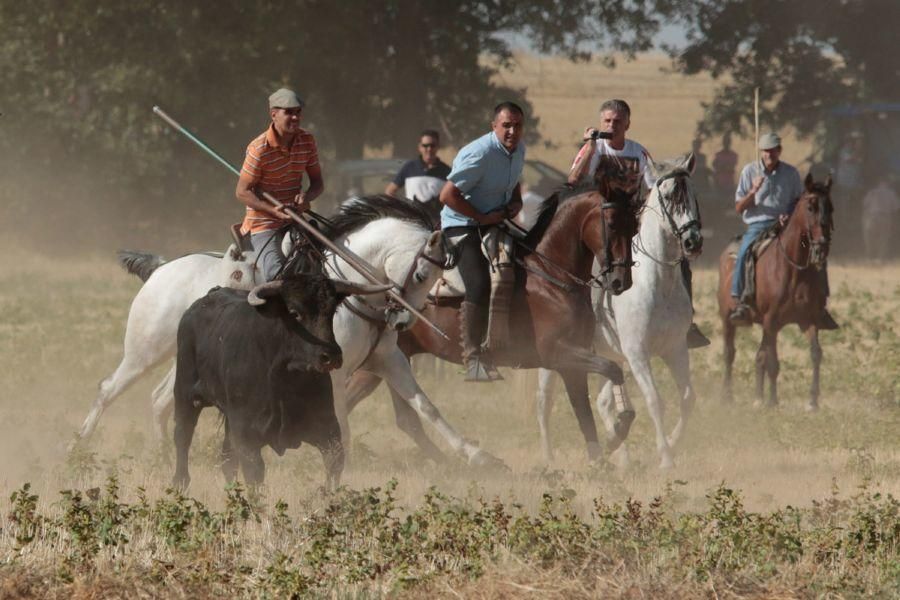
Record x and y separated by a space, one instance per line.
551 205
357 213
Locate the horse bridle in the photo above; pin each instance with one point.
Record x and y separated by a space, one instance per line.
676 231
815 247
609 263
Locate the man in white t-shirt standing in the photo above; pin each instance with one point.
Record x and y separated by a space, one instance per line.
599 158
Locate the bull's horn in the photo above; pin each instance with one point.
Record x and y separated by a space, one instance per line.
342 286
258 295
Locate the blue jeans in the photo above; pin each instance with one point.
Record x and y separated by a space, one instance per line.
754 230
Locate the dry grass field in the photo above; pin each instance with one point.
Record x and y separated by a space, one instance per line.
761 503
62 327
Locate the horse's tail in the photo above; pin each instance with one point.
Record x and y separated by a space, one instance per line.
142 264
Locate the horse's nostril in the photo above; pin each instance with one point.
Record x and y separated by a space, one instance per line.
616 285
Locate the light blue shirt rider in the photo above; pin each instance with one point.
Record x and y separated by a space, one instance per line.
779 192
486 173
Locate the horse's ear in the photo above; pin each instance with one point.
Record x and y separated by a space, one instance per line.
828 183
690 162
654 168
808 182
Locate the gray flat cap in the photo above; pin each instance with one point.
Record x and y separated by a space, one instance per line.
285 98
769 141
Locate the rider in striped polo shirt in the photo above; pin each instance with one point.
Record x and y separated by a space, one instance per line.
275 163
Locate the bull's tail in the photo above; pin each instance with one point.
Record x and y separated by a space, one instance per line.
142 264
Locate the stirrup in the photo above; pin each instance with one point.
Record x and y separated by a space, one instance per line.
741 315
476 371
492 371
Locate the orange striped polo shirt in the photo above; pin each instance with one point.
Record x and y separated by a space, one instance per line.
269 167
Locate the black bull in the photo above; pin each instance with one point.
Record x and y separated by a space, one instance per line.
264 365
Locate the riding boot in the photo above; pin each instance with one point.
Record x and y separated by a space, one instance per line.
695 337
472 325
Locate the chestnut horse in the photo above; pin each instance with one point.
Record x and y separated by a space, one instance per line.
789 289
550 316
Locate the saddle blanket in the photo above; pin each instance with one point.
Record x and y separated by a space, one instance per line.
451 285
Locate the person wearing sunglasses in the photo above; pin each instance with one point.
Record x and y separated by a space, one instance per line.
422 178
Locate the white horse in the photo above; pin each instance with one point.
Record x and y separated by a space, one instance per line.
393 236
649 319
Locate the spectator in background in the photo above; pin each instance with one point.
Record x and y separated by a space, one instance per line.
701 174
881 209
723 165
422 178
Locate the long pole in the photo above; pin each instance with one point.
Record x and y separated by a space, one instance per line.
360 265
756 126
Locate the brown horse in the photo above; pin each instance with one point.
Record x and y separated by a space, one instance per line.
789 289
551 318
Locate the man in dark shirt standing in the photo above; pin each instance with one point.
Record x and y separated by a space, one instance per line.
422 178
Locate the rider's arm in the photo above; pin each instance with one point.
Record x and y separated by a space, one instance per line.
515 202
746 191
582 160
316 183
452 197
244 192
391 189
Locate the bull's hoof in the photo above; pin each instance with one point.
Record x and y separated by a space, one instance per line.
486 460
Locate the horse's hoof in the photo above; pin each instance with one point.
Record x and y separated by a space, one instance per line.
71 446
486 460
812 407
620 458
594 453
666 463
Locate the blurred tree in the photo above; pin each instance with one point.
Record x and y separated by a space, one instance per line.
806 56
80 76
85 159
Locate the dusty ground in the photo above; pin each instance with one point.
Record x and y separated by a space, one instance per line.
62 325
